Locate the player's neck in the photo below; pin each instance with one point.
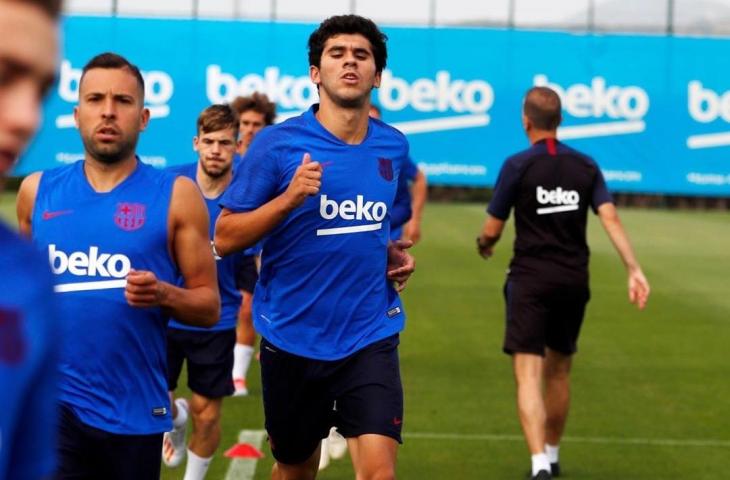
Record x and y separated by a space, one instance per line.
348 124
535 136
103 177
212 187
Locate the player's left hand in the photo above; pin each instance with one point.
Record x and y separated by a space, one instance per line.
401 264
143 289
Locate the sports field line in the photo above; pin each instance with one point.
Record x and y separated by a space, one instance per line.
665 442
245 468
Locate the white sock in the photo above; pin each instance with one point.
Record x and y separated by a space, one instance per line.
241 360
182 416
552 452
539 462
196 467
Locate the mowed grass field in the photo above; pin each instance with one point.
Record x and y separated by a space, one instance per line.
651 389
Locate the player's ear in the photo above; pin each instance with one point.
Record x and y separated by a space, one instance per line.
314 75
145 119
195 143
378 76
526 123
76 116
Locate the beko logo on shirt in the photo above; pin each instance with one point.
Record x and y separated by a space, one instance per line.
91 264
358 209
563 200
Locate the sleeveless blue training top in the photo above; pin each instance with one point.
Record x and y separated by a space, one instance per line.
113 357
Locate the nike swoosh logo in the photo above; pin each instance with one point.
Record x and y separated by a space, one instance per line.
49 215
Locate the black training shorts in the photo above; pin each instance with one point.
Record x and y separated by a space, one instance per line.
303 398
543 314
210 360
246 274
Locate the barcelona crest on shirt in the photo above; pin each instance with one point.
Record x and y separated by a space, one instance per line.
385 167
130 216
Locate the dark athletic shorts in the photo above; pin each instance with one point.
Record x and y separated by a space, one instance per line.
543 314
210 360
303 398
87 453
246 274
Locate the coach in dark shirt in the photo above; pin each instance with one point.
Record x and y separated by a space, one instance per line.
550 186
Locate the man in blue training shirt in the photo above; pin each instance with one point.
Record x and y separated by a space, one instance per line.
208 351
551 187
318 190
28 327
117 234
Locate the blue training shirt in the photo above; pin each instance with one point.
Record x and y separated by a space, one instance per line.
226 267
28 360
322 291
113 362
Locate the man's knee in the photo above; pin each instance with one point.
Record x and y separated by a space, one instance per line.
206 413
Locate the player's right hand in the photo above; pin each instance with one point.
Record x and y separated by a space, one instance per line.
306 182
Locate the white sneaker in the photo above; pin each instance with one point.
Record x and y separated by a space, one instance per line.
336 444
324 456
173 442
240 387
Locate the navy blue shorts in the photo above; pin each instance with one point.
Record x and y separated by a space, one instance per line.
210 360
303 398
87 453
543 314
246 274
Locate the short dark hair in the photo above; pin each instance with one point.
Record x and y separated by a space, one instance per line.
113 61
258 102
217 117
348 24
542 107
51 7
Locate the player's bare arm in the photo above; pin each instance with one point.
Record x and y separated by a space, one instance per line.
491 233
236 231
25 201
638 285
419 193
198 303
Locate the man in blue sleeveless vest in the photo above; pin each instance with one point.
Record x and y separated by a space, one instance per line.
551 187
28 326
208 351
318 189
117 234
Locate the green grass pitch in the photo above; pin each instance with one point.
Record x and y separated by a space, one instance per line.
650 389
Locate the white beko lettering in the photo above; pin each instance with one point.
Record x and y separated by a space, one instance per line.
358 209
561 200
91 264
599 100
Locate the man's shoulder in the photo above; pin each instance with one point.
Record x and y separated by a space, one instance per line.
568 150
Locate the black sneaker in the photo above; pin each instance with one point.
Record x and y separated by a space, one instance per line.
555 469
542 475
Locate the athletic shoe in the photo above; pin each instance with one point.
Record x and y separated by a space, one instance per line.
173 442
542 475
336 444
555 469
324 456
240 387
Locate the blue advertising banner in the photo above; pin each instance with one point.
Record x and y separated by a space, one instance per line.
654 111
